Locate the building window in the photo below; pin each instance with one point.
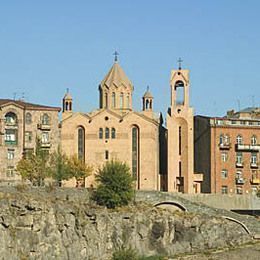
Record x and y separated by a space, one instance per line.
239 190
113 99
135 152
28 136
239 139
45 119
221 139
224 174
107 133
128 101
224 189
253 140
106 100
11 118
121 100
106 154
10 173
224 157
100 133
113 133
10 154
45 137
179 140
28 118
81 144
253 158
239 158
11 136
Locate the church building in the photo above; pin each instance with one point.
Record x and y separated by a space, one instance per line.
115 131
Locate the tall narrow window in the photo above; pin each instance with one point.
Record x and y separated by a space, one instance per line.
107 133
179 140
106 154
128 101
100 134
135 153
113 133
45 119
121 100
239 139
106 100
253 140
113 99
253 159
221 139
239 158
180 170
28 118
81 143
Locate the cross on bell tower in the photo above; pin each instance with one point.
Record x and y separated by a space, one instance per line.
180 62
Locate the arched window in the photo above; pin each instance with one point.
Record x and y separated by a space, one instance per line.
239 139
113 99
147 104
45 119
100 133
28 118
179 88
107 133
113 133
135 154
81 143
253 140
11 118
121 100
128 101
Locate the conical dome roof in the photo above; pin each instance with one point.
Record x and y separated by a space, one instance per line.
116 77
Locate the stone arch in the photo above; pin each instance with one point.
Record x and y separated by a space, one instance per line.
175 204
238 222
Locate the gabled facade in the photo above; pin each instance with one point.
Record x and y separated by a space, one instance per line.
114 131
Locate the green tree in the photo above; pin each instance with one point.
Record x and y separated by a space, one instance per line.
115 185
79 169
35 167
59 167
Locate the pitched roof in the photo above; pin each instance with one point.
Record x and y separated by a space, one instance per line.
117 77
26 105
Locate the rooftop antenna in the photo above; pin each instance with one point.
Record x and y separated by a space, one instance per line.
22 96
14 95
253 101
238 103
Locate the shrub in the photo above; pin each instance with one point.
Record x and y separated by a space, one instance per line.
125 254
115 185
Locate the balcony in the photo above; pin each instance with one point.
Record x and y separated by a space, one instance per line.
255 180
247 147
46 145
9 142
224 146
44 127
240 180
254 165
239 164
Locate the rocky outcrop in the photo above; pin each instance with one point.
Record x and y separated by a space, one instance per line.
35 226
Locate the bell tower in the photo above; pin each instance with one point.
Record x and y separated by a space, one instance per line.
147 101
180 133
66 105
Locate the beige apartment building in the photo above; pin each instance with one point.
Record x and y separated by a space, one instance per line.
20 124
227 151
115 131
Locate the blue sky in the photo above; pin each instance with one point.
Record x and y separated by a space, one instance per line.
48 46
